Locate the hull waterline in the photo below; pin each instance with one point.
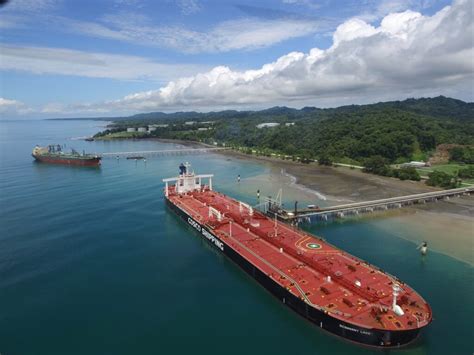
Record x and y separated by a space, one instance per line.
356 334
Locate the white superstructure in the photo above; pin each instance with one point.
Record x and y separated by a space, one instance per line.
187 181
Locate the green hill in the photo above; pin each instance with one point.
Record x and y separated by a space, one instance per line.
397 130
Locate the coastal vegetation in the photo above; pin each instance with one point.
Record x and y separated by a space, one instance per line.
377 136
118 133
442 179
452 172
379 166
462 154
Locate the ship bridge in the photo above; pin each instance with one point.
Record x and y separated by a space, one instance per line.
187 181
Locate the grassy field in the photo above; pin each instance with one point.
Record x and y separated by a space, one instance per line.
446 168
451 169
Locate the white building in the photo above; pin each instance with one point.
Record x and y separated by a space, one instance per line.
289 124
414 164
203 128
267 125
131 129
141 129
151 128
190 123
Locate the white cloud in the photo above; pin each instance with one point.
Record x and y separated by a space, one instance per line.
13 107
353 29
308 3
53 108
382 8
30 5
19 13
126 25
245 33
128 3
188 7
44 60
407 55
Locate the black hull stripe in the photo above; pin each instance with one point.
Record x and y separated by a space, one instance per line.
348 331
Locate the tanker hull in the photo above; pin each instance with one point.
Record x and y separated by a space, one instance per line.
323 320
68 161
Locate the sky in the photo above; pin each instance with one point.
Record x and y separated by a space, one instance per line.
65 58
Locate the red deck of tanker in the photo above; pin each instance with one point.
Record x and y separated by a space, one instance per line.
319 274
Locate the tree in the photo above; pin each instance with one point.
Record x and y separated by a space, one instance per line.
396 131
377 165
324 160
306 156
466 173
441 179
462 154
408 173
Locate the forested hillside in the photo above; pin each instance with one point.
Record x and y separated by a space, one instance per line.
398 131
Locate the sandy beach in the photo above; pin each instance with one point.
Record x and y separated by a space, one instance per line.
339 183
447 226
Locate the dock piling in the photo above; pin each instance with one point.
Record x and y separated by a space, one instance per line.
310 215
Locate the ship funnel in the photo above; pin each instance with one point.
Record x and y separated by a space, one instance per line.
187 181
183 168
395 307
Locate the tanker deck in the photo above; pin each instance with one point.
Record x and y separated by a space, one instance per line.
333 289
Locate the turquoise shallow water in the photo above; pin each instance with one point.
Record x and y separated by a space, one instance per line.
91 262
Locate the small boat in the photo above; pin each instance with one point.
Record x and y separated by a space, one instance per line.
136 157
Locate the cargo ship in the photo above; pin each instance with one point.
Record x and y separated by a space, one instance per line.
54 154
334 290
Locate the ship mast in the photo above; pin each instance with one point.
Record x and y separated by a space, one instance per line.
395 307
187 181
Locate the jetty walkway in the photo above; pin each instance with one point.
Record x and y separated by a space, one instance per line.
315 214
158 153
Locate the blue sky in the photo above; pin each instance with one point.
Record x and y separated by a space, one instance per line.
89 58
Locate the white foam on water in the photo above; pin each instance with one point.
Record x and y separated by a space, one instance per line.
293 182
79 138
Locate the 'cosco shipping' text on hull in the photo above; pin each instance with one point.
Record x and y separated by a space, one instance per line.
298 293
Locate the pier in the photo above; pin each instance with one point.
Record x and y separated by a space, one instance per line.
159 153
356 208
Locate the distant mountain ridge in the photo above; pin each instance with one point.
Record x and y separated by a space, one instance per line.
439 106
397 130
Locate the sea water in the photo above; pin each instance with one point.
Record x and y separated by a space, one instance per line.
92 262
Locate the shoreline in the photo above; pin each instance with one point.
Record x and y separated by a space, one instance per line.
333 183
339 183
436 223
447 226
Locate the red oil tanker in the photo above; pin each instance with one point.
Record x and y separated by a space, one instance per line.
334 290
53 154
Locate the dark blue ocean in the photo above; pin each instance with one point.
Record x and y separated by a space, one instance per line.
92 262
